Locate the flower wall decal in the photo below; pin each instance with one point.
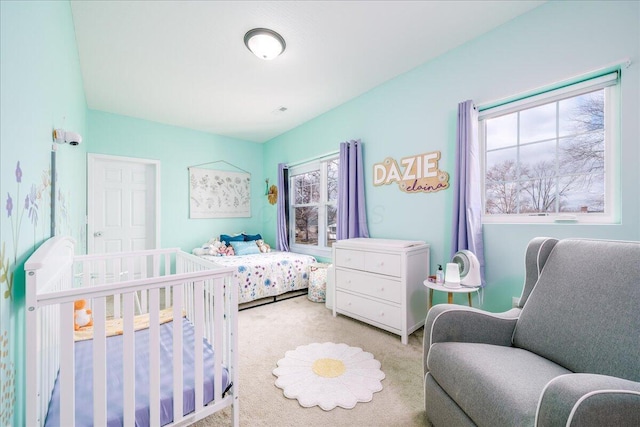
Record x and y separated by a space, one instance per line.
15 213
329 375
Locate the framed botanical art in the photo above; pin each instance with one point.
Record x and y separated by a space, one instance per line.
219 194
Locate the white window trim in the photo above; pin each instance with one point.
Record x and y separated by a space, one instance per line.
611 82
319 250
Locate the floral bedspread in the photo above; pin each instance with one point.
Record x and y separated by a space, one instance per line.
267 274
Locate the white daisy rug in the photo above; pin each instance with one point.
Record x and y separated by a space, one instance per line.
329 375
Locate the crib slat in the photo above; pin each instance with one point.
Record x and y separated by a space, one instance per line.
114 275
99 362
209 322
67 366
232 323
86 274
168 296
177 353
128 360
218 311
143 275
198 302
154 357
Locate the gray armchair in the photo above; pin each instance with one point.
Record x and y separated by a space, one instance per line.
569 355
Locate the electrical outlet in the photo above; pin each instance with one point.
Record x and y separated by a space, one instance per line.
514 301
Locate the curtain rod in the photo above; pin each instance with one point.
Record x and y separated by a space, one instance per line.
322 156
609 68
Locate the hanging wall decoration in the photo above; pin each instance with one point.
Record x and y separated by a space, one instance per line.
218 193
415 174
272 195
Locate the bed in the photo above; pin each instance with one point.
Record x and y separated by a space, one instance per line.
162 349
268 274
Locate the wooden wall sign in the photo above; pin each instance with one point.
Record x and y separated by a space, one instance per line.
415 174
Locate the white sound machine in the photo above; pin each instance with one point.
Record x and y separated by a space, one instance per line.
469 268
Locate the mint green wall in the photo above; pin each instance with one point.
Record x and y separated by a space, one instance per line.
41 88
416 113
178 148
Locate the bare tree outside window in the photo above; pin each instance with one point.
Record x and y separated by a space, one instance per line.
332 199
306 195
547 159
314 199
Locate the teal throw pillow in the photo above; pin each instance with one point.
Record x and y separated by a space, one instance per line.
251 237
245 248
225 238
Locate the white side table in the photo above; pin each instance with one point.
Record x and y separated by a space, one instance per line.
450 291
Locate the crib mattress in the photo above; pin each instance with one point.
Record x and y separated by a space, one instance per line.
84 378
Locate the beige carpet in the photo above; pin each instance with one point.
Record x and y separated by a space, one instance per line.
267 332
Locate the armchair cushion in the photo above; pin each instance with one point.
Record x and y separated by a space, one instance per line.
493 385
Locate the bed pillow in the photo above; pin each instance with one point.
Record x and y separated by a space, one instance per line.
252 237
245 248
226 238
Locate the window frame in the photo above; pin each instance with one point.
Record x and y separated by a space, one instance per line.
610 82
321 249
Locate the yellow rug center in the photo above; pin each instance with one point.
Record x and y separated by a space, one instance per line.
328 368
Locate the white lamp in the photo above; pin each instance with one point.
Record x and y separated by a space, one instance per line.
264 43
452 275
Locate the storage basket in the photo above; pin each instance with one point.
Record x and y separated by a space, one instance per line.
318 282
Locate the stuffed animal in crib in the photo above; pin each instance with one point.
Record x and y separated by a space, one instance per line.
82 315
264 247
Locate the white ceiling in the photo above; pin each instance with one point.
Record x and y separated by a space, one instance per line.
184 63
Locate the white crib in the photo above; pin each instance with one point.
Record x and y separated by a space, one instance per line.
121 285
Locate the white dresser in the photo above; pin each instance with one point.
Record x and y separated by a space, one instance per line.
380 282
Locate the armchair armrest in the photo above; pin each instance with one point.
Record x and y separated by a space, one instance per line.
457 323
589 400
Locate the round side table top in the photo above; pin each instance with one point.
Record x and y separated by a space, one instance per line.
458 290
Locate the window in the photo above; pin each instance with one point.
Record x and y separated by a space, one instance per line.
313 211
550 157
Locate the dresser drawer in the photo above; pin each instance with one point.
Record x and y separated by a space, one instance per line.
382 263
378 312
349 259
375 286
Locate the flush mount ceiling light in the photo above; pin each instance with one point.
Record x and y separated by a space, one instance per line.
264 43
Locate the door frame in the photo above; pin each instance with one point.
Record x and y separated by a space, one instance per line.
92 158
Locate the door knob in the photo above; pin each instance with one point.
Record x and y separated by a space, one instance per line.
97 234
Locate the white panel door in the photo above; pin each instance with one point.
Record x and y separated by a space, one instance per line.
122 204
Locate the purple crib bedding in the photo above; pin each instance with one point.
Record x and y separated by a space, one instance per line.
84 378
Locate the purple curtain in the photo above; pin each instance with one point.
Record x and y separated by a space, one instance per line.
467 203
282 232
352 215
